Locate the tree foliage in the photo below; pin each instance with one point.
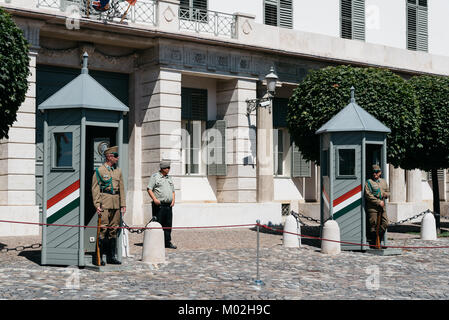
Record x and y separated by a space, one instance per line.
14 71
432 93
385 95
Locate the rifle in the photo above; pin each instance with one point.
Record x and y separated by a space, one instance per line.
379 217
98 240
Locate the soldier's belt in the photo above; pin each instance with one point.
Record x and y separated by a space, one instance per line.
115 193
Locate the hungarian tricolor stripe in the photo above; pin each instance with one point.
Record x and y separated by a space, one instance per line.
347 202
63 202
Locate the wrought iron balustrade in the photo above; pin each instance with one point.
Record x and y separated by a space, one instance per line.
205 21
144 11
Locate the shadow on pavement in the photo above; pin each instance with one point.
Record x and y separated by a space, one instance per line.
32 255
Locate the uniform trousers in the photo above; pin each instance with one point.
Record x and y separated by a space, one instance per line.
372 224
164 215
109 218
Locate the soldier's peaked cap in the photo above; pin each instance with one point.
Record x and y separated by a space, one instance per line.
111 150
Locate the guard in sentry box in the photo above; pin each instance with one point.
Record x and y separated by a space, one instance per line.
108 193
376 191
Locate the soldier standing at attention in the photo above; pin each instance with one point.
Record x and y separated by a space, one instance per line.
108 193
162 191
376 191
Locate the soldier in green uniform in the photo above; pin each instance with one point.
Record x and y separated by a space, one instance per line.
162 191
109 199
376 191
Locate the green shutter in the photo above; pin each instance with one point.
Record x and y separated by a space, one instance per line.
193 104
422 29
300 166
285 14
278 13
280 106
417 25
358 20
352 19
216 148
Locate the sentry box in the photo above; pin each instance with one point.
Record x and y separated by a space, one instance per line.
81 120
350 143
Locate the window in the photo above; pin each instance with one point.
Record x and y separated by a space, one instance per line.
346 163
193 122
352 19
278 13
63 150
195 10
278 152
417 25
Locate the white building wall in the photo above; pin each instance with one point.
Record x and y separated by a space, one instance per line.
386 23
439 27
318 16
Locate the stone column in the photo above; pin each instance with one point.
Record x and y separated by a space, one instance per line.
397 184
239 185
265 178
160 103
18 154
414 186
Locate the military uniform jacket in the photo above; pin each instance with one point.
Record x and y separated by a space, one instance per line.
110 180
375 192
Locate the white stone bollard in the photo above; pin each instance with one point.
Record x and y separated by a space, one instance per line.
291 231
331 231
428 227
153 251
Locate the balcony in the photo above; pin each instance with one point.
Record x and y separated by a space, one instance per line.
205 21
143 12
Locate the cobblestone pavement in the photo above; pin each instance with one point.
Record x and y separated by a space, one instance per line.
221 265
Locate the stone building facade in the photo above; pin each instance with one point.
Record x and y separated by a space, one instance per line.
182 74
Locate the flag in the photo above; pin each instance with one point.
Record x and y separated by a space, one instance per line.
101 5
131 2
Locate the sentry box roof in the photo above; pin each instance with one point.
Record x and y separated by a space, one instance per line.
83 92
353 118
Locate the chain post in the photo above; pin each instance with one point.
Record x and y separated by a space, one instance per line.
258 281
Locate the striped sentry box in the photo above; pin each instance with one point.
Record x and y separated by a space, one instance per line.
348 201
63 202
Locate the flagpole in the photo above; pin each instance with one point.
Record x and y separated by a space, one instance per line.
126 12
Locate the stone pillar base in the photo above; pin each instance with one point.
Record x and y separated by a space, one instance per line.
19 213
400 211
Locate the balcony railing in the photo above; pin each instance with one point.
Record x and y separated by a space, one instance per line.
144 11
205 21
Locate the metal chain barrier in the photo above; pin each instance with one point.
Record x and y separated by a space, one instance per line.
409 219
22 248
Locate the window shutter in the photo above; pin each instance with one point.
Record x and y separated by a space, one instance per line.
300 167
417 25
200 4
184 3
193 104
358 20
422 29
285 14
280 106
352 19
271 12
216 148
346 19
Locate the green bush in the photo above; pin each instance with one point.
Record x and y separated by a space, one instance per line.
14 71
432 93
385 95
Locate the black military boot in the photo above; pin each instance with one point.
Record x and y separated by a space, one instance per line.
112 245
